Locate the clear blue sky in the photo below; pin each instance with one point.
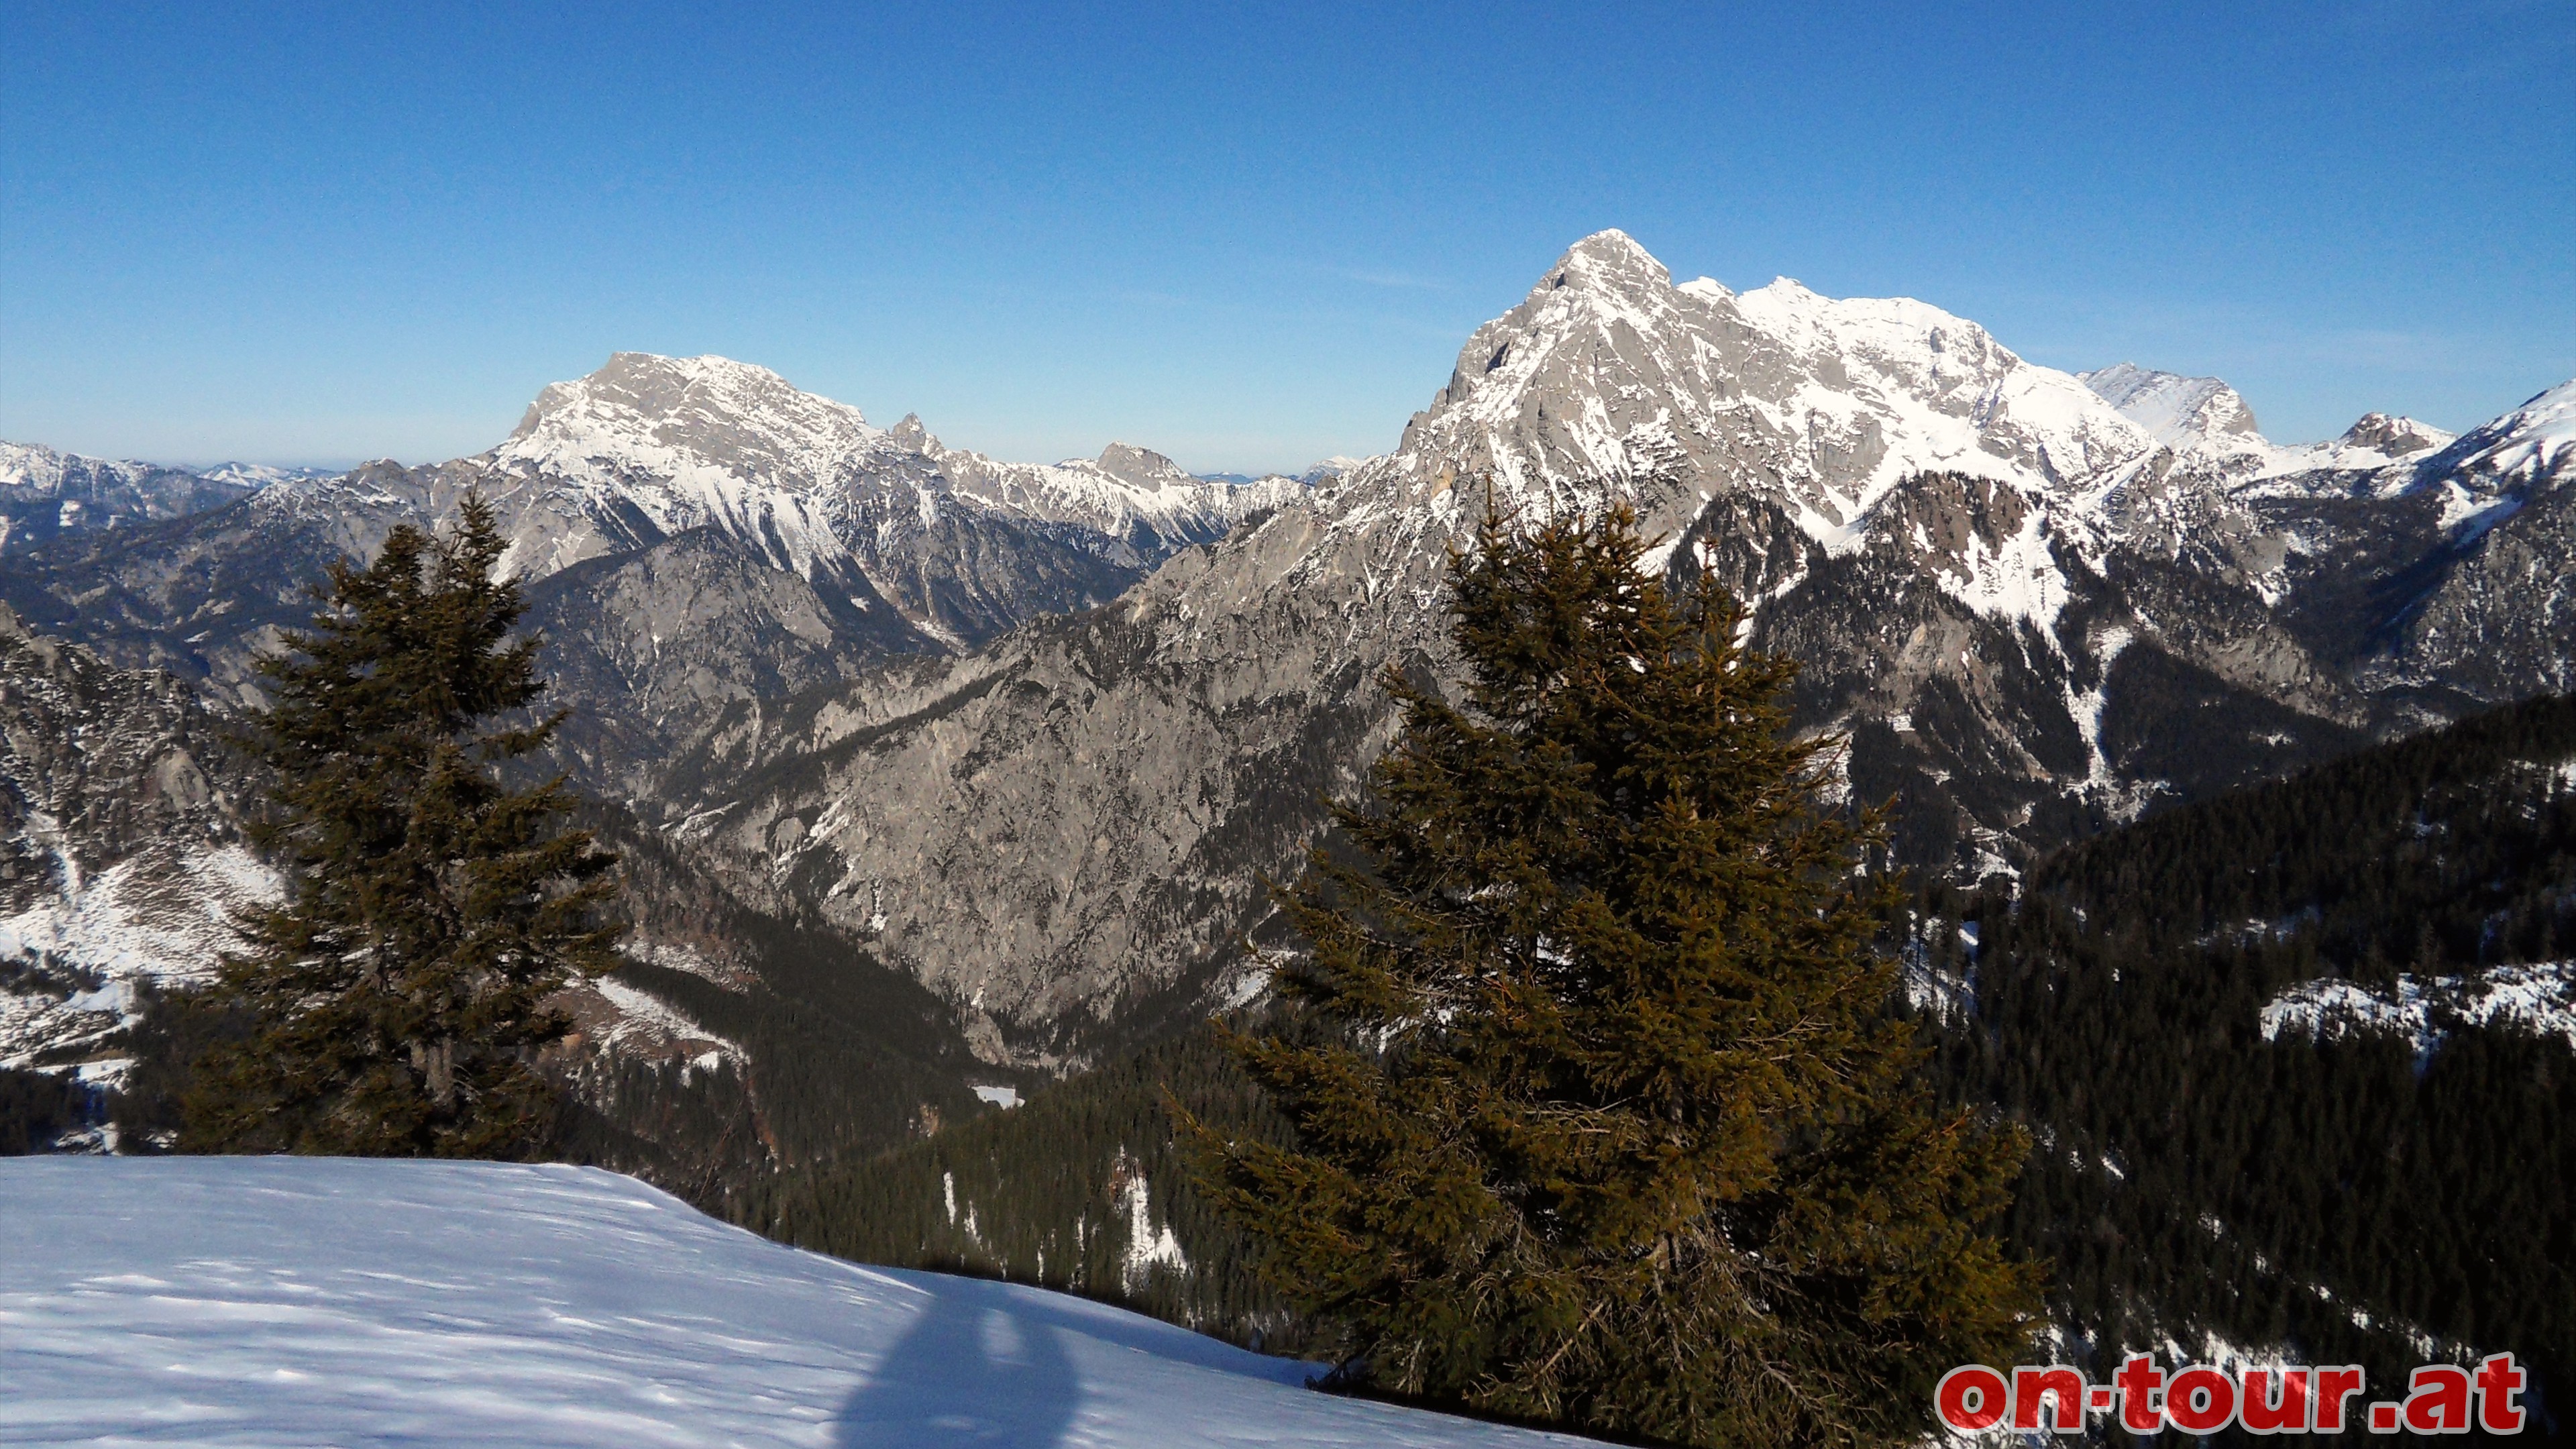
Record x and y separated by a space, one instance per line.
1246 236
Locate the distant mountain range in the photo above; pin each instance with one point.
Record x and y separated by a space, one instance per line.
1033 735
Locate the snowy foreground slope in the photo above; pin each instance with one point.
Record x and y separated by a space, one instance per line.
302 1301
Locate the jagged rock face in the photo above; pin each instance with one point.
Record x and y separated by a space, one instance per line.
45 494
2032 614
1053 829
672 633
119 847
697 531
2392 437
100 763
2498 620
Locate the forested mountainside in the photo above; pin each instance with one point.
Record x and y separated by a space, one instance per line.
2298 1063
2302 1058
731 1041
1081 1187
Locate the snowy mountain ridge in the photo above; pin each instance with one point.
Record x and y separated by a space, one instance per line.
1607 368
684 443
2003 587
46 494
2176 411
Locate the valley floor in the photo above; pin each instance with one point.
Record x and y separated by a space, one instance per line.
303 1301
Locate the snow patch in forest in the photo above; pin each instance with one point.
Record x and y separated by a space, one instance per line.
1147 1247
2540 999
640 1013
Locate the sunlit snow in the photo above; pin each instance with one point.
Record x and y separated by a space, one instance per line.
303 1301
2539 999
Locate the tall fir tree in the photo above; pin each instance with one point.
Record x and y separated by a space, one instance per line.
1603 1116
396 1000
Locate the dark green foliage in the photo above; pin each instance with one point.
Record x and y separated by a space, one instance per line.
396 1000
1604 1120
38 1108
1041 1194
172 1032
2270 1191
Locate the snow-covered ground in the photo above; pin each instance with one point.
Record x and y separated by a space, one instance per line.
308 1301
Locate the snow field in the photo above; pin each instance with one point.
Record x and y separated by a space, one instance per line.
315 1301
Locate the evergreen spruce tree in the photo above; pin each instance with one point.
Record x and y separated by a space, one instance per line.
1603 1116
396 1000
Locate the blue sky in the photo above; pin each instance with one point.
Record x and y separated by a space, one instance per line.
1246 236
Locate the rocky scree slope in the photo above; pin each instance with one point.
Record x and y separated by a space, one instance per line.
696 531
2034 613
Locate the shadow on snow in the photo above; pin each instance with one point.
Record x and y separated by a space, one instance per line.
979 1367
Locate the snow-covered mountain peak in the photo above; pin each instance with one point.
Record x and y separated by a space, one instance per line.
2180 412
1607 260
1607 370
36 469
2392 437
45 493
262 475
33 466
656 415
708 439
2535 443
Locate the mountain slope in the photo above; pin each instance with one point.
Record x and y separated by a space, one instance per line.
2300 1058
1034 734
2033 617
120 851
302 1300
2298 1061
732 1042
